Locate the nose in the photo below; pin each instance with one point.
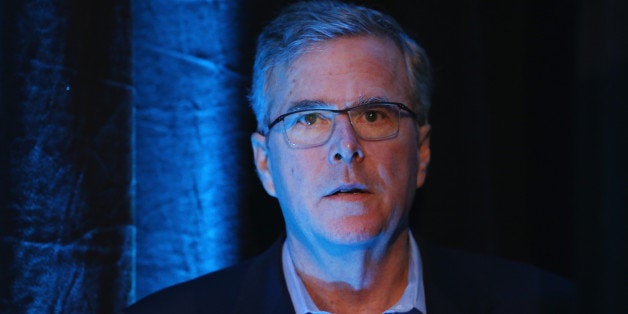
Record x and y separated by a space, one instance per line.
344 142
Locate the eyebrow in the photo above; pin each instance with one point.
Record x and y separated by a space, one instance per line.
370 100
308 104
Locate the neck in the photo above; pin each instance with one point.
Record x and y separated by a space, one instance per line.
367 278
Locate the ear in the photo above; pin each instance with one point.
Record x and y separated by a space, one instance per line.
424 154
262 163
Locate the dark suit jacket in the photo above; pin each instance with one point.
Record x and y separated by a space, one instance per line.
455 282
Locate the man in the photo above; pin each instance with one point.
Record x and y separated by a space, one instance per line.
341 96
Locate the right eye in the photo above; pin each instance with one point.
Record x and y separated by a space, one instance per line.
309 118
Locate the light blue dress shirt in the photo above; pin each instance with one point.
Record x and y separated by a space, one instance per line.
413 296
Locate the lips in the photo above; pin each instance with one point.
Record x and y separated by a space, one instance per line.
349 189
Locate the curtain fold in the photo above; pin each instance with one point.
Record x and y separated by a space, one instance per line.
66 234
190 139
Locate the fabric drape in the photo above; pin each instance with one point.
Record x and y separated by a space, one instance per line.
190 142
66 234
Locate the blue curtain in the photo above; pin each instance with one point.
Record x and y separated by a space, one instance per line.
190 106
66 235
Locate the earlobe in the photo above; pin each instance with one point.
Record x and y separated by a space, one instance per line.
424 154
262 162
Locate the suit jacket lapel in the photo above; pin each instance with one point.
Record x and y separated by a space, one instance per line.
445 290
265 290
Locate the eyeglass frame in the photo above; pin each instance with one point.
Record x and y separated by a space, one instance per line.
400 106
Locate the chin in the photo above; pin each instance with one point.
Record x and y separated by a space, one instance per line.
351 232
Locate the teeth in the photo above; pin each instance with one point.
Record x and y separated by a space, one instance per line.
350 191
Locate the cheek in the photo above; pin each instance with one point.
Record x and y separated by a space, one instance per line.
398 170
294 170
395 174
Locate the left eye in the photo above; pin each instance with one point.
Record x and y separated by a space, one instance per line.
372 116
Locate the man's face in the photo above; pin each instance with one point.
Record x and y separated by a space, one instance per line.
347 191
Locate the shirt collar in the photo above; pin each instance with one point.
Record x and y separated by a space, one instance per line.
413 296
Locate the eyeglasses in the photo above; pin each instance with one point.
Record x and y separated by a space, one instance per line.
313 127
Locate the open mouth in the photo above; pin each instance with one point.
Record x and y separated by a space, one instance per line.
343 190
351 191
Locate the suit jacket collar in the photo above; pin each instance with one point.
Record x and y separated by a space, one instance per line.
266 290
445 291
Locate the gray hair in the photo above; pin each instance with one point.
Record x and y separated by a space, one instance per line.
304 24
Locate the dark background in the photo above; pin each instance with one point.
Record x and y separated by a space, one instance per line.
126 165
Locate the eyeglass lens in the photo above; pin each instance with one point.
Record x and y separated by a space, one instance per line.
314 127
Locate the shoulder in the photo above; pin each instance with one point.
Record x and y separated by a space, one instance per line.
225 291
488 282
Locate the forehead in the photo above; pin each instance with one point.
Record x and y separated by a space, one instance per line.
341 72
